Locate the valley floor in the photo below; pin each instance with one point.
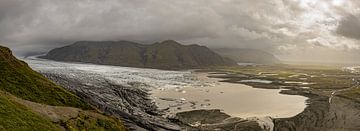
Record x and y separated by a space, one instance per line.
333 96
333 93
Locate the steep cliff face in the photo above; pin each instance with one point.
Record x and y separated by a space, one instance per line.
29 101
165 55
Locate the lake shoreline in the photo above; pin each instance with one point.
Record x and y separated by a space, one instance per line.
189 118
322 112
236 96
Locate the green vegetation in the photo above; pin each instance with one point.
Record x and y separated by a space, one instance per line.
20 80
90 123
14 116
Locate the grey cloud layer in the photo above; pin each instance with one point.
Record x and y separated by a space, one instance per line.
350 26
278 26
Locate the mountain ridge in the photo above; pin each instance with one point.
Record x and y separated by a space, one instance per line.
168 54
247 55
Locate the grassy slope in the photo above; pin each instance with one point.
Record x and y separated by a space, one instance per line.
22 82
14 116
92 122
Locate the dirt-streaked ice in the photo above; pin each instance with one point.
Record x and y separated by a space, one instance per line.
178 90
150 78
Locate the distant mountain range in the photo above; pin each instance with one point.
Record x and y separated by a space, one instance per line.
168 54
244 55
29 101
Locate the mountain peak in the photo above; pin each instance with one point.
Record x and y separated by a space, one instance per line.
5 52
169 43
6 57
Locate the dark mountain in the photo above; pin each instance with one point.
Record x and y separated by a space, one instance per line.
244 55
165 55
29 101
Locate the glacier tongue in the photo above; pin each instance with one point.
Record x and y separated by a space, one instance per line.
150 78
118 91
123 91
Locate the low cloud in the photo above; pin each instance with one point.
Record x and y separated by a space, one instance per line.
271 25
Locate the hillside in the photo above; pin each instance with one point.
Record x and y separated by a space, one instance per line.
22 89
20 80
243 55
164 55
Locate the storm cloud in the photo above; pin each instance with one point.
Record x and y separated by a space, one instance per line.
286 28
350 27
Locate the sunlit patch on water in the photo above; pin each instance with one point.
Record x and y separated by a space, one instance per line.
256 81
298 82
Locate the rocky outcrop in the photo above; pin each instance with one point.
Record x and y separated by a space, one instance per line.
164 55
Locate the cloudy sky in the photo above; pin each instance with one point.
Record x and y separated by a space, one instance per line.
304 30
